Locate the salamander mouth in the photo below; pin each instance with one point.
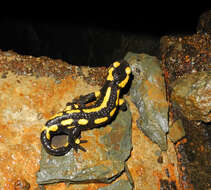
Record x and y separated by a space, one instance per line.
59 140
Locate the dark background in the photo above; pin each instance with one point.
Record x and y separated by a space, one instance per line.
99 38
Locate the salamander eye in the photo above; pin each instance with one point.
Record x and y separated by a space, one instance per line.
128 70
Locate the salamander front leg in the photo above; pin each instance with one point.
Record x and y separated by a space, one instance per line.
122 104
84 99
77 145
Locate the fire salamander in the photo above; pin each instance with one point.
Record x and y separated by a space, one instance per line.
78 116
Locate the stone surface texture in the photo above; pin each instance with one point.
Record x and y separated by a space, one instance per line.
192 94
185 55
186 64
107 150
204 24
30 96
148 94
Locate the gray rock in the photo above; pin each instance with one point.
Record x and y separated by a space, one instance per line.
119 185
192 94
176 131
148 94
104 160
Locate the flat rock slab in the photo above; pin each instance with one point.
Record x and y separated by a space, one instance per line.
107 149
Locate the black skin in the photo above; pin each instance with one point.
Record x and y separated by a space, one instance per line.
80 103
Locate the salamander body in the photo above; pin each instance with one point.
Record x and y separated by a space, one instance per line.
78 116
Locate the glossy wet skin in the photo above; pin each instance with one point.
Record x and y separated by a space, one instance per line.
77 116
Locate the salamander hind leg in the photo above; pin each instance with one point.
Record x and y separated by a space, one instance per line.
74 140
84 99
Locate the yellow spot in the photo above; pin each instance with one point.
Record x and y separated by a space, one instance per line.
53 128
67 122
77 141
68 108
117 97
56 115
76 105
66 144
48 135
54 147
70 127
97 93
110 74
73 111
48 129
112 112
121 101
100 120
82 121
44 128
116 64
128 70
124 82
103 105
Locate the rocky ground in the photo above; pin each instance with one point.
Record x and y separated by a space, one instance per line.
186 62
162 141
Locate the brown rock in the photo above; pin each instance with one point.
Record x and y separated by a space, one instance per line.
185 54
144 165
193 95
204 24
21 184
26 103
28 100
176 131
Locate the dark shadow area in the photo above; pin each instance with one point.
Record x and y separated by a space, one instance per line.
96 40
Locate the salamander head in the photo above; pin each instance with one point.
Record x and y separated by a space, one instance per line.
119 73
